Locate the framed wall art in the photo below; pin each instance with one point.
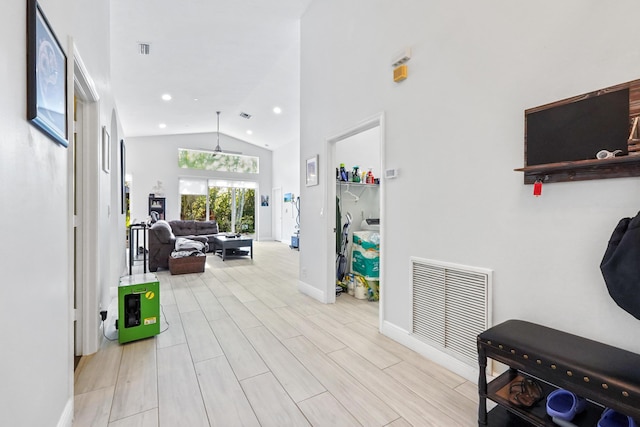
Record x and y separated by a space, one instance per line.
106 150
123 183
312 171
46 77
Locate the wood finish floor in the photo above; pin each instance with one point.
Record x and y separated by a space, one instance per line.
242 347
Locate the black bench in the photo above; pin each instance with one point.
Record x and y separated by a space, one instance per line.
601 373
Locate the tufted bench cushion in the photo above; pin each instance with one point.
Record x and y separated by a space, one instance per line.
605 374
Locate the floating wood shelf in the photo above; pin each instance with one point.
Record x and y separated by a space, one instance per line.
568 169
582 170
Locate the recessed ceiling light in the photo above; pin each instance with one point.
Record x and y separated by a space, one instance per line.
166 97
249 132
162 125
277 110
195 99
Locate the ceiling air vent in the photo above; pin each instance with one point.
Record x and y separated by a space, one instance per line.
143 48
245 115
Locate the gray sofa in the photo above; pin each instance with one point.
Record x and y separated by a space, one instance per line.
162 238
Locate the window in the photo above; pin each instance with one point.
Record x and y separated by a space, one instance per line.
222 162
230 203
193 199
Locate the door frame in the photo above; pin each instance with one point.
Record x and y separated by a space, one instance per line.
378 120
277 218
84 250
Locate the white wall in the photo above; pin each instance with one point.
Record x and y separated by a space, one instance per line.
286 175
35 299
455 130
362 149
155 158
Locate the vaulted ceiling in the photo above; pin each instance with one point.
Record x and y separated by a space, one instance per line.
208 55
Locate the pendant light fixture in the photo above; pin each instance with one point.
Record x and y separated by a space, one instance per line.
218 149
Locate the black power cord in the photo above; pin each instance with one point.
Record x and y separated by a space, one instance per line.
103 316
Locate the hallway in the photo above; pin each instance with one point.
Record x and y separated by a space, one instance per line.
241 346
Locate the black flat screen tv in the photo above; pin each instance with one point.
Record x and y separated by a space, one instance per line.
577 130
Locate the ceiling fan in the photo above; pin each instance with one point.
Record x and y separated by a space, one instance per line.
218 149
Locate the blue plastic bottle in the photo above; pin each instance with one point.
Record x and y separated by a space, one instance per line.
343 173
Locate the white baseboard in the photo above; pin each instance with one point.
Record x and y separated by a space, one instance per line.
443 359
314 293
66 419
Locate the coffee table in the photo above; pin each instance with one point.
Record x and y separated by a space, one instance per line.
225 244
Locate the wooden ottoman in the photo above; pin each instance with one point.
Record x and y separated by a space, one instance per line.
187 264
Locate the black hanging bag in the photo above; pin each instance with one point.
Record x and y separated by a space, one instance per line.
620 265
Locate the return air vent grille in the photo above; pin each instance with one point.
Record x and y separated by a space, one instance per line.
450 306
144 48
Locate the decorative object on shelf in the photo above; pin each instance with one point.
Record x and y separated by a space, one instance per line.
106 150
605 154
46 77
157 190
312 171
633 143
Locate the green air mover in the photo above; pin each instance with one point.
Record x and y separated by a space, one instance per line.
138 307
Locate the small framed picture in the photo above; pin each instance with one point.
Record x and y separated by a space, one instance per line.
106 150
312 171
123 180
46 77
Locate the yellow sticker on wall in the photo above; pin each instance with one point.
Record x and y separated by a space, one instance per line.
150 295
150 321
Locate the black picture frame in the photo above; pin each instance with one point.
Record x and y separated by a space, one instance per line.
46 77
123 184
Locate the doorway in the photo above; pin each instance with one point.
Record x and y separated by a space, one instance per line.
277 202
230 203
76 196
83 203
363 201
233 207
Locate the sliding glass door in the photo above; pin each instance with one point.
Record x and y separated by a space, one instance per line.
230 203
